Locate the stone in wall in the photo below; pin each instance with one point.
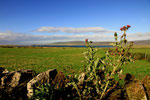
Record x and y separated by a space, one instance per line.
135 91
44 77
146 84
3 70
15 83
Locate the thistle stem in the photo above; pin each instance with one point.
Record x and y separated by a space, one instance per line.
77 91
104 89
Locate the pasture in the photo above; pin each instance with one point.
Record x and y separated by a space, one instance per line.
68 60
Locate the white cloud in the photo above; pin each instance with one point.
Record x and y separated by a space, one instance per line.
147 34
73 30
138 36
21 38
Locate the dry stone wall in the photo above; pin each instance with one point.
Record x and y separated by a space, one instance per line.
19 85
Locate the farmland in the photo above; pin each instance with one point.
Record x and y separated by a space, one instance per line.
67 60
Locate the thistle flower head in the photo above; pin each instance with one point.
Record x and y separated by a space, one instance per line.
86 40
123 28
128 26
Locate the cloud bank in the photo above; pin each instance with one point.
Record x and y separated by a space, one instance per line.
73 30
9 37
20 38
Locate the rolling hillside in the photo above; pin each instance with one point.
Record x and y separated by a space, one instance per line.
142 42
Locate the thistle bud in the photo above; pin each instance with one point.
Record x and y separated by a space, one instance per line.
115 34
123 50
122 36
125 41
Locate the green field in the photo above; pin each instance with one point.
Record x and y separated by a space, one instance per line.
41 59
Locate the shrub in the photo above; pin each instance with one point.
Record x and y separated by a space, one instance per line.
148 58
139 56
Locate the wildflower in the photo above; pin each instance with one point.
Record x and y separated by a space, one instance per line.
116 49
86 40
128 26
124 27
121 28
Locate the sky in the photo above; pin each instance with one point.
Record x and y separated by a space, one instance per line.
26 22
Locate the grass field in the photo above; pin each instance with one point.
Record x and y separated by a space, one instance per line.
41 59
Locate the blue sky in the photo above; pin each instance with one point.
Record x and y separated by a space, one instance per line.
47 21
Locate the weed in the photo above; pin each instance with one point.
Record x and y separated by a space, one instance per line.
101 72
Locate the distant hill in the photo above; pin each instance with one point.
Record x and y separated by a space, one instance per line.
141 42
79 43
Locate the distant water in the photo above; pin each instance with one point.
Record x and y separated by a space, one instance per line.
76 46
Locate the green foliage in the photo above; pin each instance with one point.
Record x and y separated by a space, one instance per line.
44 92
102 72
139 56
121 82
53 91
148 57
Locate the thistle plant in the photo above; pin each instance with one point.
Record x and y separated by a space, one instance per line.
116 58
101 72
